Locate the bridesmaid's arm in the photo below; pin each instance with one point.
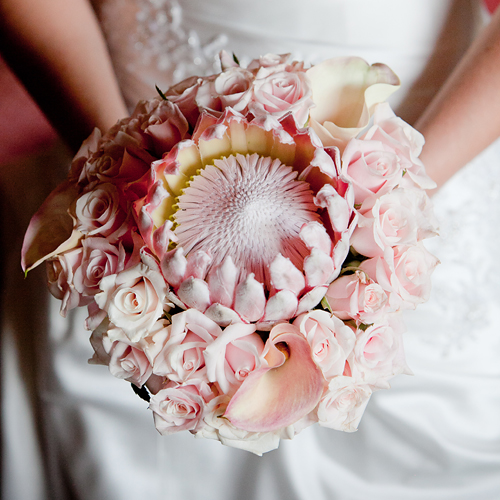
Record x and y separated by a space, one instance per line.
58 51
464 117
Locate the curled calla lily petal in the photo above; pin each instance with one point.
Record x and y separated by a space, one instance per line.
51 229
278 395
345 91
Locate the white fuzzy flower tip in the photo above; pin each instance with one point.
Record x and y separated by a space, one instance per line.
244 199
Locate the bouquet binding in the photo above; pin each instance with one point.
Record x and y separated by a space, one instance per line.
245 244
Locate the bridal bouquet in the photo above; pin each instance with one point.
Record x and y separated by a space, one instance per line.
245 244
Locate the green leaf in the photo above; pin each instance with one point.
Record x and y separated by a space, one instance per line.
162 95
235 59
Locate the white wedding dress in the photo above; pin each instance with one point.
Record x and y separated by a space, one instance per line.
436 435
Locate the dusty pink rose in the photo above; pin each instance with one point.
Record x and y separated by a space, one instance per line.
357 297
372 167
61 272
279 92
180 356
133 300
98 212
233 356
180 407
233 88
162 124
99 259
378 354
343 405
330 340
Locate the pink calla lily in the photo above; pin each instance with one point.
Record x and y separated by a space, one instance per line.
280 394
51 229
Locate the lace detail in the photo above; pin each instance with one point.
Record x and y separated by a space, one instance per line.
464 307
163 42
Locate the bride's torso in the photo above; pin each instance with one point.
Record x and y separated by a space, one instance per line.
402 447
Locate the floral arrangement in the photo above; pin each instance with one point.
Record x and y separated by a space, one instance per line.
245 244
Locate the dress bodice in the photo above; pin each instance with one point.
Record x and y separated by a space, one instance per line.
160 42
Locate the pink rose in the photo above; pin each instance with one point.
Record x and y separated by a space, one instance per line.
100 258
372 167
357 297
404 140
280 92
61 271
180 407
405 272
233 356
133 300
162 124
343 405
386 222
180 356
232 86
129 363
98 212
378 354
330 340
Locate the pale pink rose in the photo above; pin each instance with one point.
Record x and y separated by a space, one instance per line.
233 88
342 407
129 363
372 168
404 273
413 267
88 147
100 258
268 61
221 429
387 221
281 92
378 354
98 212
133 300
180 356
61 271
404 140
235 354
357 297
180 407
330 340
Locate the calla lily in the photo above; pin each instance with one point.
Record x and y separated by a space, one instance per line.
345 91
50 231
280 394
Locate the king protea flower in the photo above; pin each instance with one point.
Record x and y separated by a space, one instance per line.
249 219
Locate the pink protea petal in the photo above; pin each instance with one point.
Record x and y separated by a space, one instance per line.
311 299
197 264
318 268
338 208
51 229
194 293
174 266
274 397
314 235
222 315
222 281
250 300
281 306
285 276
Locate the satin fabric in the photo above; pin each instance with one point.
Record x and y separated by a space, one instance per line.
80 433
